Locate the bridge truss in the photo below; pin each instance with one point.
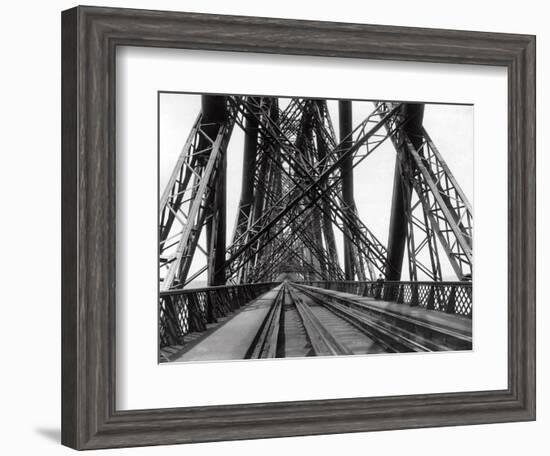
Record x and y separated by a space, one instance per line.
297 194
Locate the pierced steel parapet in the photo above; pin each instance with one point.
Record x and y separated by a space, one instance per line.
450 297
190 310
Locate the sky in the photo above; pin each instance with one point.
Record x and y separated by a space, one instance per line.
450 127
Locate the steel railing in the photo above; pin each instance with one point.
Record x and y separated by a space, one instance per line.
190 310
449 297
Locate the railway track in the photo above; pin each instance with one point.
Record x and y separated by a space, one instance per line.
308 321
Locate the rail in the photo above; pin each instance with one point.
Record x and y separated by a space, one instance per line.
190 310
449 297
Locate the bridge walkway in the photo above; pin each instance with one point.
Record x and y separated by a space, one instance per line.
232 337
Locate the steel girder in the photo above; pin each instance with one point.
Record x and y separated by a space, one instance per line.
444 205
330 169
292 196
187 199
311 239
441 209
368 139
346 175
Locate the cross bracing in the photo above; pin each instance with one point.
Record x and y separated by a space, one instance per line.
296 195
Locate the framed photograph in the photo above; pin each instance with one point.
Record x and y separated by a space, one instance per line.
279 228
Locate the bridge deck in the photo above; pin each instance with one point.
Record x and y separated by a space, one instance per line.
294 320
233 338
434 317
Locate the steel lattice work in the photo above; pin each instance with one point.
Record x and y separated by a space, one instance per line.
297 197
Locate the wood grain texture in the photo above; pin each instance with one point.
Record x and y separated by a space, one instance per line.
69 207
89 39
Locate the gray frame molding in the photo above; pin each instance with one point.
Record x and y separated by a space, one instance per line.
89 38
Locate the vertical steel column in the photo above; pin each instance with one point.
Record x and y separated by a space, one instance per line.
346 169
249 163
413 114
249 169
214 109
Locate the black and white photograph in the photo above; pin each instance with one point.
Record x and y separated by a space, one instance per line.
297 227
280 223
275 228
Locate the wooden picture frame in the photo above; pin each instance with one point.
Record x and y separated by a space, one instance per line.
90 36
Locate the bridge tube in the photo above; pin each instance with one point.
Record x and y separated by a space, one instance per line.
401 198
249 162
249 167
214 111
346 169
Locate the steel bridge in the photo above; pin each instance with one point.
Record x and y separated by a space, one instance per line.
282 285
